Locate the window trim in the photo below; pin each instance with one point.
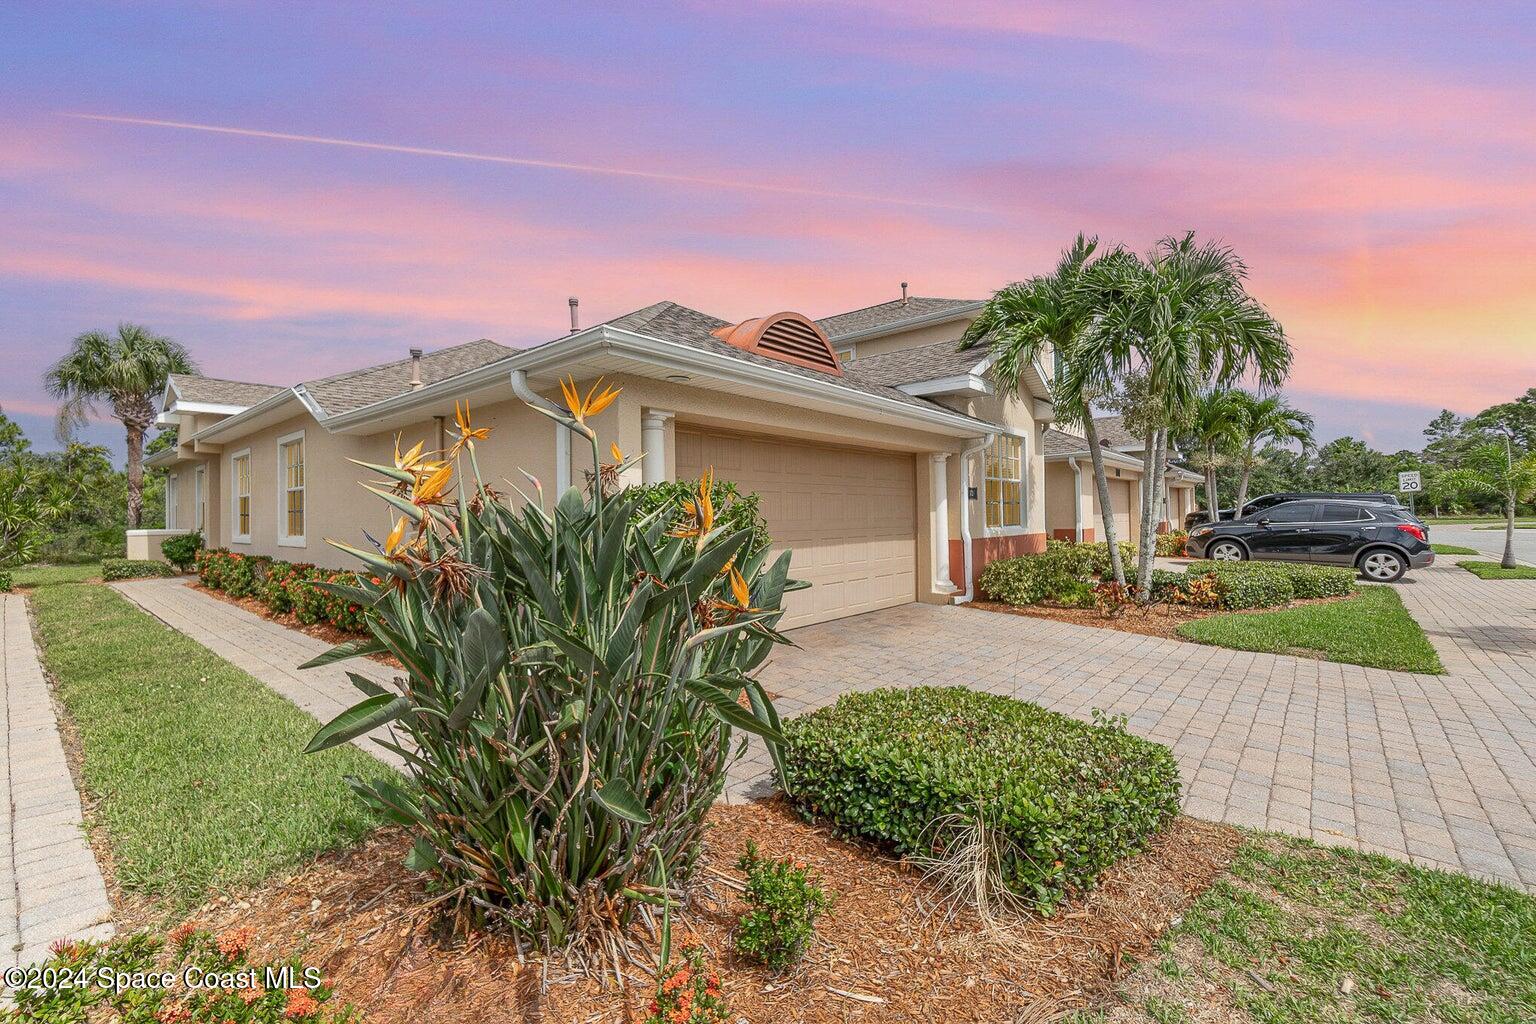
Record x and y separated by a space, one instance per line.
284 538
170 499
1008 531
200 498
235 536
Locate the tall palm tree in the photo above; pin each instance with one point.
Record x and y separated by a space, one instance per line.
128 370
1263 420
1497 470
1027 321
1181 317
1213 426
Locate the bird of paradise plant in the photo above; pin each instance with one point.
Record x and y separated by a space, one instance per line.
576 681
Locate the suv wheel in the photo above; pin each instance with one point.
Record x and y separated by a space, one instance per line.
1228 551
1381 566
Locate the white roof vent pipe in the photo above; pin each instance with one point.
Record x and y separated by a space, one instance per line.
903 293
415 368
575 320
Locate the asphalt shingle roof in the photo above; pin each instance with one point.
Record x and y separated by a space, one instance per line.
925 362
673 322
1058 443
352 390
215 391
889 314
1113 433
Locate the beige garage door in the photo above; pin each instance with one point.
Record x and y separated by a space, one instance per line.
848 515
1120 498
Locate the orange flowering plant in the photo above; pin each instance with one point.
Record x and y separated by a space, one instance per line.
578 676
688 992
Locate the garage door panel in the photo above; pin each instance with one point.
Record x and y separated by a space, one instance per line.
849 516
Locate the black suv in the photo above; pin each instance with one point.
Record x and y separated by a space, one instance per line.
1382 541
1265 501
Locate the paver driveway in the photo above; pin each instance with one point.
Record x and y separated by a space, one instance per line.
1440 769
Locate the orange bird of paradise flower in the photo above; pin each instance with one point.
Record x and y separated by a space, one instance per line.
468 433
591 404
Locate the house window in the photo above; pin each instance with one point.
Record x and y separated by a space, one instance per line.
241 473
199 499
845 355
290 470
1005 482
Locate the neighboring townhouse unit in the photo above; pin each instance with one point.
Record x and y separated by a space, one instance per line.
1072 503
883 456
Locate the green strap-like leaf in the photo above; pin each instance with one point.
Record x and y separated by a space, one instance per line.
620 800
350 649
723 705
368 686
422 856
359 718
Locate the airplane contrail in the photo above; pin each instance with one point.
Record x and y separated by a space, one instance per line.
517 161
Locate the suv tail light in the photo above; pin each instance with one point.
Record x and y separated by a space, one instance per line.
1412 530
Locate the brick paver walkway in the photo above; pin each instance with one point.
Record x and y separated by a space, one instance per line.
50 886
1437 769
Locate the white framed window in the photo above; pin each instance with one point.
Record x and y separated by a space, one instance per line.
240 496
1004 475
291 509
199 498
847 355
170 500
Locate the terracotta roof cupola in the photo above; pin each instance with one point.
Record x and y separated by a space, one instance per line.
787 337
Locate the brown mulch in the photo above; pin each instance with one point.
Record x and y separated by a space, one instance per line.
320 631
1160 620
883 953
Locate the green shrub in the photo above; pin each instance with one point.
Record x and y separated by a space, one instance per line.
1310 581
283 587
133 569
783 903
733 510
6 583
1174 544
576 680
1064 573
305 997
1248 584
1063 799
181 550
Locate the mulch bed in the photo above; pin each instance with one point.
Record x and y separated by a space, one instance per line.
1160 620
884 952
320 631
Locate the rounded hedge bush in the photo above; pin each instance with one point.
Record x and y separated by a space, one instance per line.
6 583
1067 799
133 569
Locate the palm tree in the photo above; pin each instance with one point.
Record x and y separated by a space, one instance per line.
1495 470
1026 321
1213 426
1265 420
127 370
1181 317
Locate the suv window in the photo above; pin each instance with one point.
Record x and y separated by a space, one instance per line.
1342 514
1293 512
1260 504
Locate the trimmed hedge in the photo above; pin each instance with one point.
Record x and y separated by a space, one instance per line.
6 583
1174 544
1067 798
1064 572
1267 584
181 550
284 587
134 569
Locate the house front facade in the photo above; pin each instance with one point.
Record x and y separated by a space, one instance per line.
882 455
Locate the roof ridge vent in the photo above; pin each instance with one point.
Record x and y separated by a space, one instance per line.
788 337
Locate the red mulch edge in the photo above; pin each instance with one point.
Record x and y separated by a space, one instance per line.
320 631
883 953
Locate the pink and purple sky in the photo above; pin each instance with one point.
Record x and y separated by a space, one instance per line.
1374 163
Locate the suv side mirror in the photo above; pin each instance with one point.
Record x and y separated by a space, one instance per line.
1264 521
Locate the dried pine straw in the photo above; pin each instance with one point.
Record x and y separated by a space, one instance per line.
884 952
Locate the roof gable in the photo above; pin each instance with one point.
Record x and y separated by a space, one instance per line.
890 315
345 392
193 388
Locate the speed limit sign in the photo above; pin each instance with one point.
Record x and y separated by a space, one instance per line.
1409 482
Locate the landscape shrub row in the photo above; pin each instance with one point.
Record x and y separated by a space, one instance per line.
1069 575
1060 799
1174 544
6 582
284 587
134 569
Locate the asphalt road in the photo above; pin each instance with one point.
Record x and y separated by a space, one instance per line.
1490 541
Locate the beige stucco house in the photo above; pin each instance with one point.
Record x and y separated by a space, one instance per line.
884 457
1071 498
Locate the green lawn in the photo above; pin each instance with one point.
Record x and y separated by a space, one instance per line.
1453 549
48 575
1464 520
1372 628
1505 526
1295 934
1494 571
199 767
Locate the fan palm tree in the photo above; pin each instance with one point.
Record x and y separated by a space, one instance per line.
1213 426
127 370
1181 317
1028 320
1264 420
1496 470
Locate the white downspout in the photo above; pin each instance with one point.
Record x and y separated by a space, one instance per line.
1077 499
562 434
966 456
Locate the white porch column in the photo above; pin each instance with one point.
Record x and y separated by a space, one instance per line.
939 480
653 446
